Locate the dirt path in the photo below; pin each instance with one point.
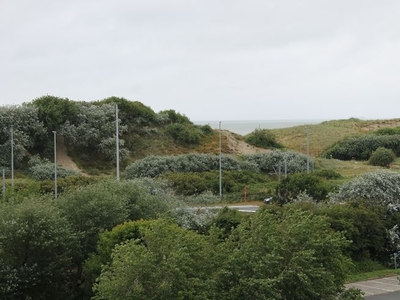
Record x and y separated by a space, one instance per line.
238 147
62 157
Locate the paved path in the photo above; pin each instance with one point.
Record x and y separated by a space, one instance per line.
377 286
390 296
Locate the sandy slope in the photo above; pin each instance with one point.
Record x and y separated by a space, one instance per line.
62 157
238 147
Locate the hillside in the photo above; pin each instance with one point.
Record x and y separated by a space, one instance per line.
327 133
321 136
86 133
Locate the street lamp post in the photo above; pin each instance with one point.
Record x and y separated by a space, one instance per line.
117 139
308 149
220 162
12 154
55 164
4 183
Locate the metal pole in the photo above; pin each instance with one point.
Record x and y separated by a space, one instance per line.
117 138
308 149
12 155
4 183
55 164
285 168
220 162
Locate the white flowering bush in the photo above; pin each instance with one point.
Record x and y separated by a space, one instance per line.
153 166
27 132
94 128
378 188
45 171
271 162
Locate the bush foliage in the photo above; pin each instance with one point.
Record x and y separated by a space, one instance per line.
382 157
263 138
361 147
153 166
277 161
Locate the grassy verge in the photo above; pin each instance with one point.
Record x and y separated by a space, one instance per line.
372 275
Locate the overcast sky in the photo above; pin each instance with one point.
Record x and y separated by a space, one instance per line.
208 59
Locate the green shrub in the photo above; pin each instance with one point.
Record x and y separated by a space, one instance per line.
262 138
46 171
300 184
361 146
382 157
206 129
232 182
183 133
388 131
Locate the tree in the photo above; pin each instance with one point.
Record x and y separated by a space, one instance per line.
36 251
382 157
286 254
120 234
362 224
170 263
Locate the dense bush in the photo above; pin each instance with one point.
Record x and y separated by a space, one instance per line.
133 113
171 116
55 111
196 183
46 171
37 250
288 255
297 184
388 131
361 146
378 188
27 130
93 130
153 166
361 224
184 134
263 138
206 129
274 161
382 157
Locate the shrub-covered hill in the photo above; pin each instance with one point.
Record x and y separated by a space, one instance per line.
86 130
325 134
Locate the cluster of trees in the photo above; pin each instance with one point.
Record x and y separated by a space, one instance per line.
292 254
107 241
45 242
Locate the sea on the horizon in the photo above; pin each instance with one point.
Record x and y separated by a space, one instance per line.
244 127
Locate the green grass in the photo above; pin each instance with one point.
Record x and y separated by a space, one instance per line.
372 275
347 169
